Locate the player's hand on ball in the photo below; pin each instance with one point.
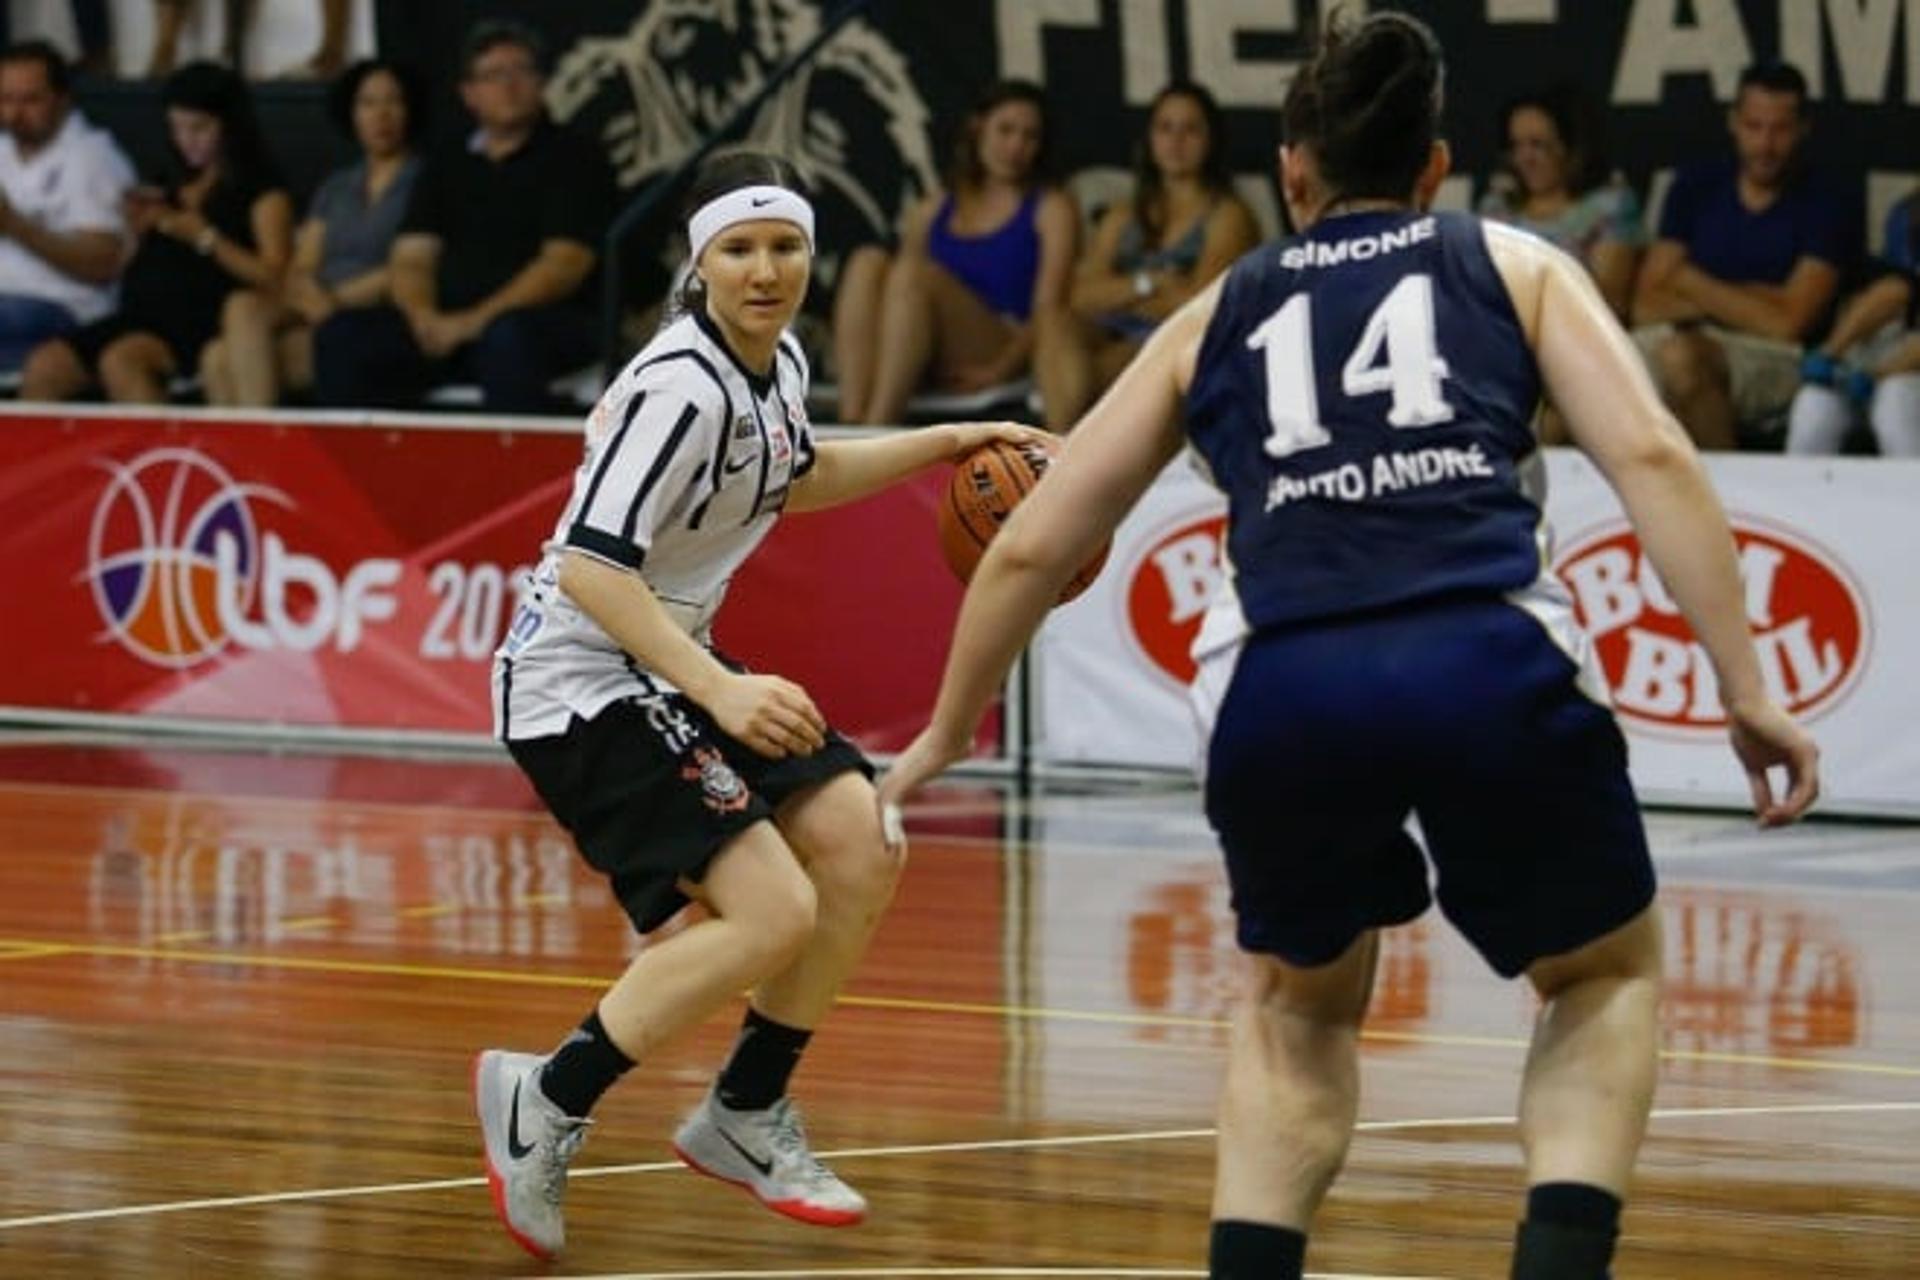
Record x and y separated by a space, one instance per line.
969 436
774 717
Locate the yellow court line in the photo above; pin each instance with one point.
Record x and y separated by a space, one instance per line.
389 969
16 951
430 909
300 924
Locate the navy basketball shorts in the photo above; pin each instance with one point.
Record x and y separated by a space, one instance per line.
1464 713
651 789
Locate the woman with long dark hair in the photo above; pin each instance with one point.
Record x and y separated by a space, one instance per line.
219 220
954 308
1149 254
339 251
681 776
1555 181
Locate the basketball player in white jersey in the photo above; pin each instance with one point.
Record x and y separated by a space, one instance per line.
680 775
1388 642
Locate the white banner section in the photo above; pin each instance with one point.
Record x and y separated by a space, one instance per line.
1827 548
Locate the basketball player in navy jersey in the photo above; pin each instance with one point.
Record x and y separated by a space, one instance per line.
679 775
1389 642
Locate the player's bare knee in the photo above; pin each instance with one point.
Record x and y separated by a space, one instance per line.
1332 995
1633 951
783 919
859 875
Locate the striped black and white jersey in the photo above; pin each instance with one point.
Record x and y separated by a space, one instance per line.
689 456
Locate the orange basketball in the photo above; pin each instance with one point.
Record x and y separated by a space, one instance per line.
987 485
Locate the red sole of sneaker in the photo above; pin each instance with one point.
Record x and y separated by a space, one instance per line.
495 1186
794 1209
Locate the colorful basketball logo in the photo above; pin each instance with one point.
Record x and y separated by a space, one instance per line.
153 553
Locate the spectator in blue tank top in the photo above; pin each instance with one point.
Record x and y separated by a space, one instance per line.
977 261
1147 256
1749 258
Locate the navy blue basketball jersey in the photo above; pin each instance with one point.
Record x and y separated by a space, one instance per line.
1365 396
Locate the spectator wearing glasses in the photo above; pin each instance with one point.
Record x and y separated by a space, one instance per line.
492 270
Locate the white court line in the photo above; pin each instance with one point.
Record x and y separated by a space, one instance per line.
932 1148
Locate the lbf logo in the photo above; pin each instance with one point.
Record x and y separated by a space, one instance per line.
1169 586
178 563
1809 624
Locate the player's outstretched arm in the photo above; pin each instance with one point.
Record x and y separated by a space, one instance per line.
1111 457
1595 376
845 471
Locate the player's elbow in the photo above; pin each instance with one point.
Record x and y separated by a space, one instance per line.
1662 447
1018 551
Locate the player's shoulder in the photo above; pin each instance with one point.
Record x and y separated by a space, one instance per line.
683 359
1519 254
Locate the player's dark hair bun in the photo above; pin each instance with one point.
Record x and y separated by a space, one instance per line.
1368 104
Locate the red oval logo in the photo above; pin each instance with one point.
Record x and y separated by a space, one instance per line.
1169 586
1809 624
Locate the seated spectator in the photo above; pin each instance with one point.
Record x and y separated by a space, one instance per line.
1557 183
1148 255
490 275
63 234
1750 255
1871 361
339 252
220 221
976 263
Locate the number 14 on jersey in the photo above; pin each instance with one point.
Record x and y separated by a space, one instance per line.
1397 355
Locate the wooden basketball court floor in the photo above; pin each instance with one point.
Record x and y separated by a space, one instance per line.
239 993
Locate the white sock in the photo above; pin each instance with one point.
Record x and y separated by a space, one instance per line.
1896 415
1818 421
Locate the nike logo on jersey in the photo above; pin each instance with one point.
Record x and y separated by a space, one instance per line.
764 1166
732 468
517 1149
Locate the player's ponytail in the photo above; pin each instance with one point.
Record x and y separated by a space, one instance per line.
1368 105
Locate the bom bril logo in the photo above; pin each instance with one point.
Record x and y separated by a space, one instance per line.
1809 621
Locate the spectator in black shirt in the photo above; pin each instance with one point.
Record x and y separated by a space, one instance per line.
491 270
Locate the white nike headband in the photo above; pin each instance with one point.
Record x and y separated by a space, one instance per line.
748 204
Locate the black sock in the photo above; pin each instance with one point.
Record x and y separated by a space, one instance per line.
763 1060
1256 1251
584 1066
1568 1234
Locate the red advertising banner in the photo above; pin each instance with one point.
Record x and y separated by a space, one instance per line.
315 571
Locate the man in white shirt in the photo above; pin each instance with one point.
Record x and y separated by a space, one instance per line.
63 231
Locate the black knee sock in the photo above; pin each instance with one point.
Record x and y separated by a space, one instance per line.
584 1066
763 1060
1256 1251
1568 1234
